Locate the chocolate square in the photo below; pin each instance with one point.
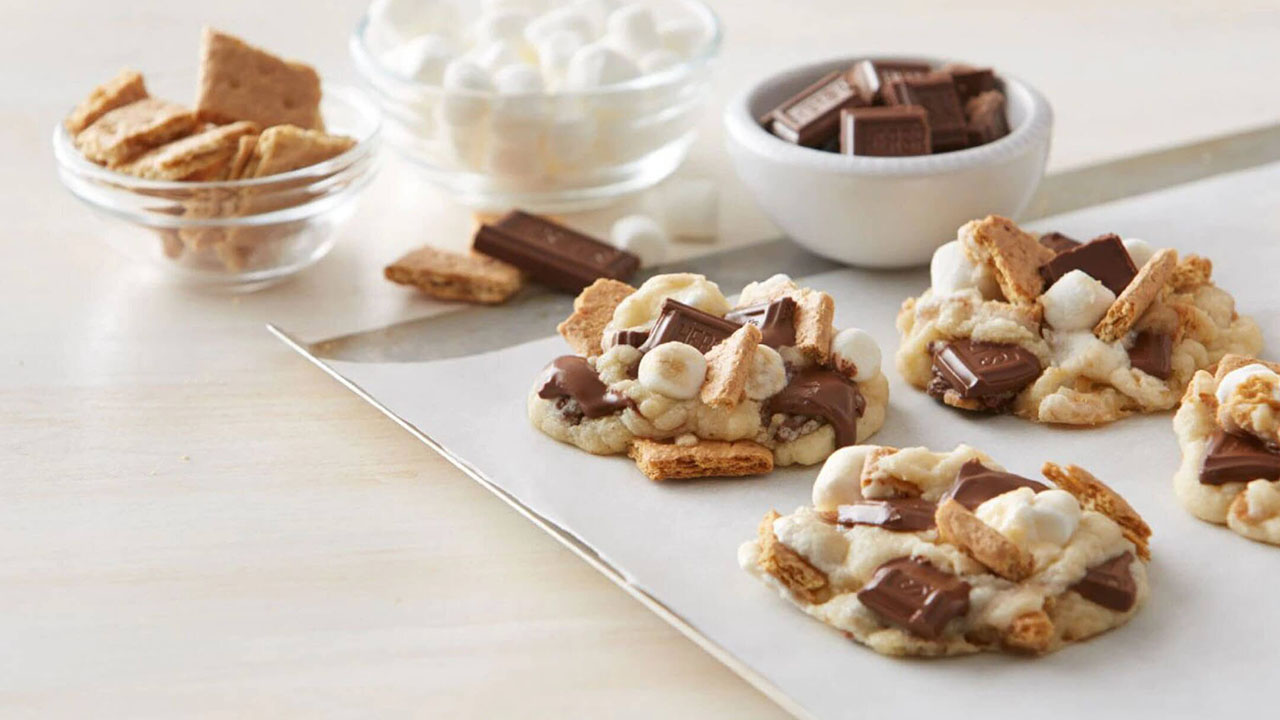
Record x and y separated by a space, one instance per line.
1110 584
914 595
811 117
776 320
976 483
885 132
977 369
1152 353
1058 242
689 325
985 115
1238 458
936 93
970 81
896 514
871 76
552 253
1102 258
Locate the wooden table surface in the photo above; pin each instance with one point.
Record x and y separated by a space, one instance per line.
194 521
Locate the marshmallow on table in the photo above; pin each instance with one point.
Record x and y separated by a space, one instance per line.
1140 251
423 58
690 209
673 369
840 479
642 236
632 30
856 350
597 65
952 271
1076 302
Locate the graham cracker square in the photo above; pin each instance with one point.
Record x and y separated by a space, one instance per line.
238 81
445 275
1143 290
283 148
123 134
729 366
204 156
1016 256
592 311
707 458
121 90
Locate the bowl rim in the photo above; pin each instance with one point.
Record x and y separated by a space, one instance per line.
374 72
744 128
69 158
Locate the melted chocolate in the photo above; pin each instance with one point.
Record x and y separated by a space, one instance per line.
776 320
826 394
570 376
976 483
897 514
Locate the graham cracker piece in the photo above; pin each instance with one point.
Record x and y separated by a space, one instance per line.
874 480
203 156
1192 272
1015 255
123 134
1030 632
445 275
238 81
1094 494
1235 362
244 152
1143 290
729 366
708 458
283 148
815 312
960 527
786 565
592 311
123 89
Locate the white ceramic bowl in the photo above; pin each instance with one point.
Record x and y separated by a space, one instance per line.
883 212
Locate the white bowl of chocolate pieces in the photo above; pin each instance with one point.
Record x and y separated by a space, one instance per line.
874 161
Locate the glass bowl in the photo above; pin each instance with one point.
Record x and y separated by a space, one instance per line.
583 150
233 234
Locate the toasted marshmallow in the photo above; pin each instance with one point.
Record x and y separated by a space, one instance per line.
856 354
768 374
673 369
951 271
632 30
597 65
1030 519
1076 302
641 235
1237 377
1140 251
840 479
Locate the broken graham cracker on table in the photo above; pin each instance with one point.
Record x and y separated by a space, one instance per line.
121 90
592 311
238 81
123 134
1141 292
706 458
203 156
445 275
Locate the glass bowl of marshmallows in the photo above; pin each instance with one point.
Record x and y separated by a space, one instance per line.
547 105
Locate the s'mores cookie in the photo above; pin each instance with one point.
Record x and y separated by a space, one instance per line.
913 552
1058 331
690 385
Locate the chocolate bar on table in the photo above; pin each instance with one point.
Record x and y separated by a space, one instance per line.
936 93
913 594
885 131
811 117
552 253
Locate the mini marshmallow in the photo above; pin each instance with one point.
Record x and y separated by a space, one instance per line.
555 51
1140 251
423 58
1076 302
855 350
642 236
840 479
496 55
632 30
1028 518
396 21
658 60
673 369
951 271
598 65
500 25
682 37
1240 375
460 108
512 160
768 374
597 13
690 209
570 137
518 111
559 20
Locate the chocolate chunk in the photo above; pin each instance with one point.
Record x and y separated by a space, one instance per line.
634 338
978 369
1110 584
570 376
1058 242
1152 353
885 131
776 320
914 595
870 76
985 118
689 325
553 254
1238 458
826 394
898 514
811 117
936 93
1102 258
976 483
970 81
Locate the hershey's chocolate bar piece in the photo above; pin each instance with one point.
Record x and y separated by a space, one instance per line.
1152 353
870 76
634 338
1102 258
776 320
1110 584
936 93
978 369
1238 458
827 394
976 483
1058 242
911 593
897 514
812 116
689 325
985 118
885 131
570 376
552 253
970 81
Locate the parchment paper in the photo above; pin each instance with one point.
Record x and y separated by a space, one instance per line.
1206 644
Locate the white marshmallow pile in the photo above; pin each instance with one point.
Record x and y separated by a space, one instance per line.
531 50
1076 302
1030 519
